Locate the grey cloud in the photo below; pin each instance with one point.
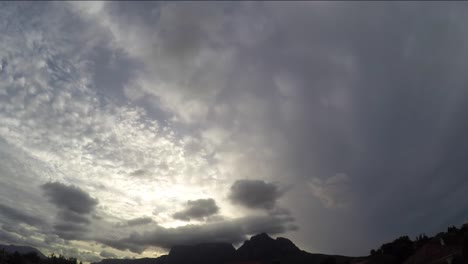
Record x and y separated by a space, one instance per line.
9 237
144 220
230 231
255 194
18 230
70 216
138 173
15 216
75 207
140 221
107 254
69 197
71 231
197 209
123 244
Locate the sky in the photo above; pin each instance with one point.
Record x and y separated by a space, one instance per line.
129 127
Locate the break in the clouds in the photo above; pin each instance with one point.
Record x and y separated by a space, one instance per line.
197 209
255 194
114 114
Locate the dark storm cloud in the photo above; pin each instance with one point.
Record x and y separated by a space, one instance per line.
18 216
256 194
197 209
69 198
230 231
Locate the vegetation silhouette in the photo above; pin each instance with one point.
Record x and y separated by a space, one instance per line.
34 258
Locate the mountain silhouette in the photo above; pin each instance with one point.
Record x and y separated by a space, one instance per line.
262 246
445 247
207 253
259 249
21 250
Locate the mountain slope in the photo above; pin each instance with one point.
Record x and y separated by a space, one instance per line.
259 249
22 250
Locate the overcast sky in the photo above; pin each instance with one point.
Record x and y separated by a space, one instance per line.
127 128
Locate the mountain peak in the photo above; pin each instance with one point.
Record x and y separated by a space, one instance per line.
261 237
262 246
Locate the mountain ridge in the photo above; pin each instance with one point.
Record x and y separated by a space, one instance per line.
260 248
21 250
445 247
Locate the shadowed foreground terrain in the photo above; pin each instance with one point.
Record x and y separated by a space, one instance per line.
446 247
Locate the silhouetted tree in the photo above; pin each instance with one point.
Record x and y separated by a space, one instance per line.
401 248
32 257
451 229
421 240
465 246
328 260
3 256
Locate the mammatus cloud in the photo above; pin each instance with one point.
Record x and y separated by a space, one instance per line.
197 209
255 194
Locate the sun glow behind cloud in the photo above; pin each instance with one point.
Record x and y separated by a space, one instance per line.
130 163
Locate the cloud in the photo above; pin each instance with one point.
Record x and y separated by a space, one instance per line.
15 216
256 194
69 197
75 207
107 254
288 92
70 216
71 230
332 192
197 209
229 231
139 221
